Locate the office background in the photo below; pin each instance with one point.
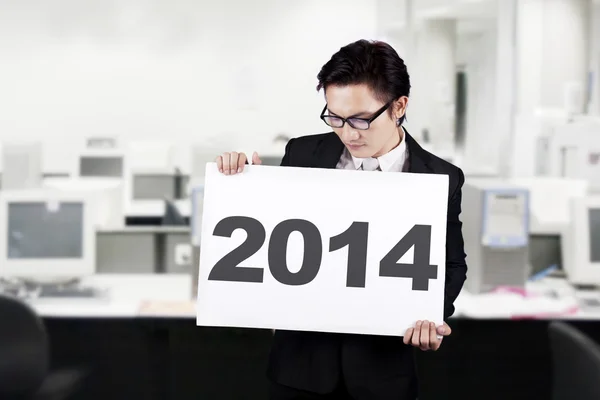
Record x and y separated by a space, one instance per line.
109 111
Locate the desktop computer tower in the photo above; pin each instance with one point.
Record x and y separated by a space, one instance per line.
495 216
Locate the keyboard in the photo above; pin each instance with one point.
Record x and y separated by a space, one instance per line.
67 292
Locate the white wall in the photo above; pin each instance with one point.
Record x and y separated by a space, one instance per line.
565 50
477 51
237 72
505 87
553 52
529 42
553 57
392 15
594 107
435 80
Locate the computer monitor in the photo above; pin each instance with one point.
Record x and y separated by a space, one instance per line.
549 202
581 253
59 159
172 216
100 166
182 183
21 165
153 185
574 152
108 196
197 197
55 175
101 142
271 160
46 233
545 251
496 234
146 192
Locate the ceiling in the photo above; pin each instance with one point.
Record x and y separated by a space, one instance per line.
471 15
459 9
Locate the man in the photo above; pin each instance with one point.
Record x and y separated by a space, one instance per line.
366 87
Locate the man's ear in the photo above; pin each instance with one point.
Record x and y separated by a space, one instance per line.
400 107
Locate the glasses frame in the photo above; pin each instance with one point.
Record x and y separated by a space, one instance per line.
349 120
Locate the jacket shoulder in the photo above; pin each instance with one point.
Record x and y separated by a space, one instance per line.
300 151
308 141
440 166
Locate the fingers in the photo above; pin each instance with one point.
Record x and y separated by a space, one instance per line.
425 335
231 163
408 335
241 162
434 342
416 335
444 330
440 332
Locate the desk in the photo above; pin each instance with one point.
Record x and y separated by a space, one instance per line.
144 344
159 353
499 348
549 298
127 297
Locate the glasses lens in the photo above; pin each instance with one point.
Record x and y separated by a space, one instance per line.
359 123
335 122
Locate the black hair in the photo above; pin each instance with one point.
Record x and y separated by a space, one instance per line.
373 63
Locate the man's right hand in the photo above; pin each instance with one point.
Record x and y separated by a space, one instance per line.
233 163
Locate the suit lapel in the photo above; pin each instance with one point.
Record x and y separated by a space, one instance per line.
329 151
417 157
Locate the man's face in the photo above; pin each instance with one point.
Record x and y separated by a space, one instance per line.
358 101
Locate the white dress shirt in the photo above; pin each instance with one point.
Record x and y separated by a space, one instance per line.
393 161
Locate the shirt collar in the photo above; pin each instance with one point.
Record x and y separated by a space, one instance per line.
389 159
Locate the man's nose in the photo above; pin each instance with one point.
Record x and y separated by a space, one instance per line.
349 134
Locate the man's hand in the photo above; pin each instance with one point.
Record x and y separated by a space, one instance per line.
426 336
233 163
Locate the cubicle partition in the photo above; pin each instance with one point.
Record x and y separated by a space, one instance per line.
144 249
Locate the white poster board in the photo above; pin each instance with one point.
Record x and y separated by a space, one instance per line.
320 250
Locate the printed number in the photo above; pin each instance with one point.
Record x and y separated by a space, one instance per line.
227 269
355 237
420 270
313 252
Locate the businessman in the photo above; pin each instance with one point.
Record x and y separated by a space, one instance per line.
366 87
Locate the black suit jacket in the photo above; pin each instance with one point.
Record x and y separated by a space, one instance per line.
315 361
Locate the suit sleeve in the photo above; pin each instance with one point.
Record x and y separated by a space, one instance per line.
456 266
286 161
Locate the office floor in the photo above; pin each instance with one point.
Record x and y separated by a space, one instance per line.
173 359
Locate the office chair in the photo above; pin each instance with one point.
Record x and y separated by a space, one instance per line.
25 357
575 363
172 216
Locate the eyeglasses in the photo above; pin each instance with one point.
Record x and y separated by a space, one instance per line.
357 123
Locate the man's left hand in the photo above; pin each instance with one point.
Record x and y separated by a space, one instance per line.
426 336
